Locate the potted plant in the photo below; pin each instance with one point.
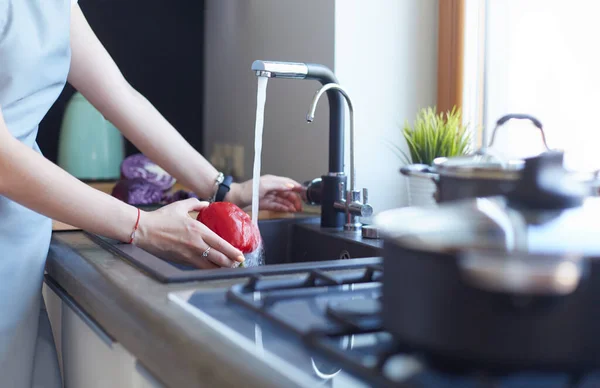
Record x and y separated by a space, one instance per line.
432 135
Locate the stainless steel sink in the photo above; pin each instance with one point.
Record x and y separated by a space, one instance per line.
289 243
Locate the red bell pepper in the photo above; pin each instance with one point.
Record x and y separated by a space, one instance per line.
232 224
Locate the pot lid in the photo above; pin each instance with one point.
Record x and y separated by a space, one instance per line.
548 212
495 224
482 164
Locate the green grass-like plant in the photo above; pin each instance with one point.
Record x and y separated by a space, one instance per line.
435 135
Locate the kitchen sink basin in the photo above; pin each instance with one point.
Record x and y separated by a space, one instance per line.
297 240
277 237
289 244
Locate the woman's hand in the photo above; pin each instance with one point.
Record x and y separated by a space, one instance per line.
170 233
275 193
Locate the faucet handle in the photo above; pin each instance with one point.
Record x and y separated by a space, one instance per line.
341 191
365 196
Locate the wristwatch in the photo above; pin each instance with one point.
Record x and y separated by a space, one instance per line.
223 184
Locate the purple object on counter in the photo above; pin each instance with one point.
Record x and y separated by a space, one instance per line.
139 166
177 196
137 191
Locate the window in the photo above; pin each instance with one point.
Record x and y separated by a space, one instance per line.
538 57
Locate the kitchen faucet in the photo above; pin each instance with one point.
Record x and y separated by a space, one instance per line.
350 201
328 185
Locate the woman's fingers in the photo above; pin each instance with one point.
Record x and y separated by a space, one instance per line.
209 253
284 202
272 183
219 259
172 234
267 204
223 247
292 197
190 205
289 200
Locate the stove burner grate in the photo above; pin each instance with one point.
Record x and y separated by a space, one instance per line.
359 316
347 318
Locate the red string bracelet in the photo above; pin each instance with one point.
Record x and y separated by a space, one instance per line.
137 223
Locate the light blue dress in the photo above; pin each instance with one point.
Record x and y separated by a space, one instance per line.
34 63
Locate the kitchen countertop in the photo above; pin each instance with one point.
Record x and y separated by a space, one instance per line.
133 309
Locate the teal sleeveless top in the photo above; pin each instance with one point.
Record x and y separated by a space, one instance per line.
34 63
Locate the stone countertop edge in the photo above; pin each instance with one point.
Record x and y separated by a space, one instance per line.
178 349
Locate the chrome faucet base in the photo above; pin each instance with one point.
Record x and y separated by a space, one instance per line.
370 232
353 227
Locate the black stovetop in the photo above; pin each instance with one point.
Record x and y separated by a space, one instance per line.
327 325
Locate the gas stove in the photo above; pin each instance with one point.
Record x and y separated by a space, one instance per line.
326 325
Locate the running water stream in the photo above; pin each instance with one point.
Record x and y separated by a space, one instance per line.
257 257
261 98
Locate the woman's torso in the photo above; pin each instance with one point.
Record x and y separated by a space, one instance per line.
34 63
34 58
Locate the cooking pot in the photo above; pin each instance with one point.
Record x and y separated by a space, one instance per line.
502 282
481 174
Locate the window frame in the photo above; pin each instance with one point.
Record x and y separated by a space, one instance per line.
451 25
461 54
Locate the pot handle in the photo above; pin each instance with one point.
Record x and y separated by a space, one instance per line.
519 116
521 273
420 171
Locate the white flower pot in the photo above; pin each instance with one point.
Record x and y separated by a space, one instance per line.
421 192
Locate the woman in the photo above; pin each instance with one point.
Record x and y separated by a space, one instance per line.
43 44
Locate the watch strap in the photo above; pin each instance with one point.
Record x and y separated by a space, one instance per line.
223 188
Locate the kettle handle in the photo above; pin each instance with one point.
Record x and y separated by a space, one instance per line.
519 116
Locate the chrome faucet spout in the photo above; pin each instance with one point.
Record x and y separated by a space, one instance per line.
263 73
274 69
349 200
310 117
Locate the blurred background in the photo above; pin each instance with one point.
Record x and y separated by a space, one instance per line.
158 45
192 59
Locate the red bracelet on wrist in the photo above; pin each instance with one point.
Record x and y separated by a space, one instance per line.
137 223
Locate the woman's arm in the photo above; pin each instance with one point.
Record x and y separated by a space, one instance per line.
95 75
28 178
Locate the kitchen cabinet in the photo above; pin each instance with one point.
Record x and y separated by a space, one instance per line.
89 357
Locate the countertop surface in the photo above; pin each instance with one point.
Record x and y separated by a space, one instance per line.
132 308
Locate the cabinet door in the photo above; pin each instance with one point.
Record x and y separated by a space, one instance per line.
89 360
89 356
54 308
